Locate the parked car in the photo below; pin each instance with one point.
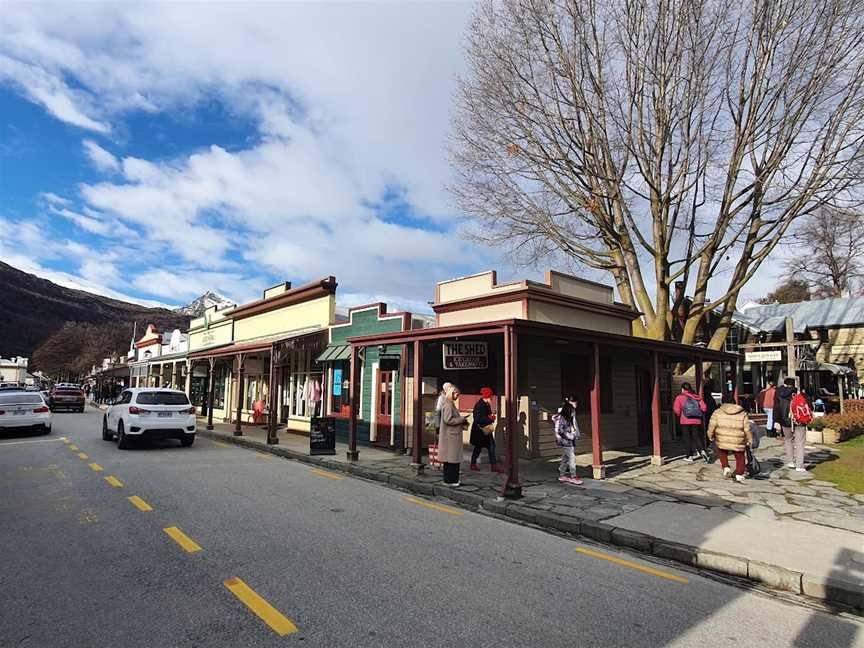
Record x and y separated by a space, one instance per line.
149 413
24 411
71 398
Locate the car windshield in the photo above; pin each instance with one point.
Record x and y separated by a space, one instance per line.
20 398
161 398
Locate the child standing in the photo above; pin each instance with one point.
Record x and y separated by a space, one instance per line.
566 434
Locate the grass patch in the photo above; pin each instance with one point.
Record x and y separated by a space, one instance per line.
847 471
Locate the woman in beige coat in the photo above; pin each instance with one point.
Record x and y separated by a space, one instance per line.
450 436
730 427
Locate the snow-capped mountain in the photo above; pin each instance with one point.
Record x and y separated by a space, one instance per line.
196 307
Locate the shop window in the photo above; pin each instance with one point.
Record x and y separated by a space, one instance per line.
219 374
340 388
303 397
255 389
577 379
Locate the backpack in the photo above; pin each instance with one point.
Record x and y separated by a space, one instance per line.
799 410
691 408
562 430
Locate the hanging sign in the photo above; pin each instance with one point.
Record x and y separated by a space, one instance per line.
465 355
763 356
337 382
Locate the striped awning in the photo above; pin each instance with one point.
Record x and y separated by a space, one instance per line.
334 352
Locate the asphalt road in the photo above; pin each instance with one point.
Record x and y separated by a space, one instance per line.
318 559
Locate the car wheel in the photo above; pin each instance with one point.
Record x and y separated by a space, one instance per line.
47 429
122 440
187 441
106 433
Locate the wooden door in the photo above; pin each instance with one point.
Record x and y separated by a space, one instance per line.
384 405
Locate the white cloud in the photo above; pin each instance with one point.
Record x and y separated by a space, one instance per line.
101 159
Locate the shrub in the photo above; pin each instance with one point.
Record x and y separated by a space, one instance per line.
850 423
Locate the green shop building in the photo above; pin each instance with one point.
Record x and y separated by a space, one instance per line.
381 411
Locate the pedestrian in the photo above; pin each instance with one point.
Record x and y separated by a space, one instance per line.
689 408
793 413
439 403
729 428
482 430
450 435
566 434
766 402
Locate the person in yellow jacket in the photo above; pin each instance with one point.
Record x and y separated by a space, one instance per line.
730 428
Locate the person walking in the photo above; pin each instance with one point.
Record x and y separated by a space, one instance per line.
439 403
450 435
566 434
766 402
482 430
729 428
793 413
689 408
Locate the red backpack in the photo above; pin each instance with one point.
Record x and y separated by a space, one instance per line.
799 410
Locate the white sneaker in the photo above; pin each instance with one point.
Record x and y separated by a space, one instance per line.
790 465
800 470
727 472
740 478
688 459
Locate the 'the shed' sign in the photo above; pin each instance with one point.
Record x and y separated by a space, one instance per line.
465 355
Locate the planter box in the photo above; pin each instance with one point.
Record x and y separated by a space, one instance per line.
830 436
814 436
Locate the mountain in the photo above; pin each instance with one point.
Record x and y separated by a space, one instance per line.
196 307
65 329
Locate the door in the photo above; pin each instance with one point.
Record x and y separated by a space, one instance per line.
643 406
384 411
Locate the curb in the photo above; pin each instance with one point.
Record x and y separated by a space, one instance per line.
828 590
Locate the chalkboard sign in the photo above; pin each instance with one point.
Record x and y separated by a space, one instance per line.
322 436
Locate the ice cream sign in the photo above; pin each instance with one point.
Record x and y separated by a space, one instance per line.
465 355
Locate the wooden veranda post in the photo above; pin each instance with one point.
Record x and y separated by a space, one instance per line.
417 408
596 445
210 389
272 439
657 452
353 400
512 487
734 371
238 430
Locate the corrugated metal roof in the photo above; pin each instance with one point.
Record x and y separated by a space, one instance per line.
839 311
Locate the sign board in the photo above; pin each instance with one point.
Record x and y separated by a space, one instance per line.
465 355
763 356
337 382
322 436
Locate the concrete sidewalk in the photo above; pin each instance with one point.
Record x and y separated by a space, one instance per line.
684 512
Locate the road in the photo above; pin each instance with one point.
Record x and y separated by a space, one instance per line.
282 554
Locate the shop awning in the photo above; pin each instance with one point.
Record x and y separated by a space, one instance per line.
335 352
259 345
813 365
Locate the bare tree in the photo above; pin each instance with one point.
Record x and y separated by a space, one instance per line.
662 140
828 251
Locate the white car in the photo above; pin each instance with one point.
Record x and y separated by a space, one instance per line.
149 413
23 411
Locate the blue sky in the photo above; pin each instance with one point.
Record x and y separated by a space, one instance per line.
152 153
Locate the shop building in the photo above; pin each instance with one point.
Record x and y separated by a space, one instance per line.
260 360
533 343
13 371
381 406
159 360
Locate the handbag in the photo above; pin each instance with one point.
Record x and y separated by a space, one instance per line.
487 429
753 466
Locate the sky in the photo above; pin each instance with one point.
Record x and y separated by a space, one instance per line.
152 152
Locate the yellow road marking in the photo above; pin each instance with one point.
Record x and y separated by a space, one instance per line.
324 473
632 565
64 439
140 504
96 467
263 455
73 448
222 444
434 507
116 483
81 455
278 622
182 539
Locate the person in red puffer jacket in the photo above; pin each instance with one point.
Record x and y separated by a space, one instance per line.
690 408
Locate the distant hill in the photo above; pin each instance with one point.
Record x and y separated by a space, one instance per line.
196 307
60 328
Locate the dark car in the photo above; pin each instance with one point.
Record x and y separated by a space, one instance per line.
70 398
